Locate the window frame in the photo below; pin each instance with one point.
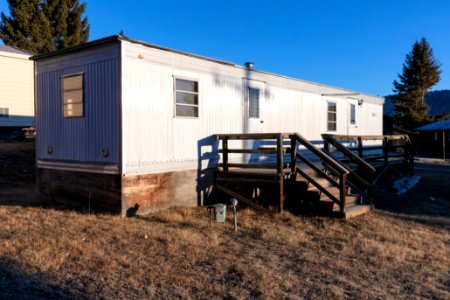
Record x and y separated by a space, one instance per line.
249 102
64 104
352 114
175 91
328 118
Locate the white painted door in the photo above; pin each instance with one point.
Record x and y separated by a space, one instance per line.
353 117
254 106
253 115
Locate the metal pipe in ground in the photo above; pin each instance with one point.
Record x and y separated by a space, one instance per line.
234 202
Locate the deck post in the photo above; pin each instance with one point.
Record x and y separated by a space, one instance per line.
342 191
225 153
280 166
326 146
360 147
385 150
293 155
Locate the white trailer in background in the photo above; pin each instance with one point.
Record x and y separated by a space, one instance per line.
16 89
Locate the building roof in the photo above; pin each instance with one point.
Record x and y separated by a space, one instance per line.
14 50
440 125
118 38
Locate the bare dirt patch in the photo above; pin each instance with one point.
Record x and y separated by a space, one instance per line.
394 253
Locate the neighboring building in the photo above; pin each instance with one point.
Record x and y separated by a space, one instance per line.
16 89
434 139
127 124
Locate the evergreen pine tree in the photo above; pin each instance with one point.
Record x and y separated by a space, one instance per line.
420 72
42 26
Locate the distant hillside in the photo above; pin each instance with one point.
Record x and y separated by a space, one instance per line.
439 102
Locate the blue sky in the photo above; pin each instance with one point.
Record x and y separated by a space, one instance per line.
358 45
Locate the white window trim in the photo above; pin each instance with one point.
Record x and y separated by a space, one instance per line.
335 112
82 92
249 103
352 122
194 93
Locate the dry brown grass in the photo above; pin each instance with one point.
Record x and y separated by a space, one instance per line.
50 253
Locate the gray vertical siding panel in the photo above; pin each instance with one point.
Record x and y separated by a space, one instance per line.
80 139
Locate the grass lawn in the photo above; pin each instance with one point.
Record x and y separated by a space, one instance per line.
401 251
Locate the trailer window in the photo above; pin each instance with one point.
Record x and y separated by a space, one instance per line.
331 120
253 99
352 114
73 96
186 98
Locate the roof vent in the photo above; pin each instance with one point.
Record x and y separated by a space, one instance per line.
249 65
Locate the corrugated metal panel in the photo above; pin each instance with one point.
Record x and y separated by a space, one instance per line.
155 141
80 139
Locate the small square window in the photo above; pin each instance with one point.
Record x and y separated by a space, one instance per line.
73 96
186 98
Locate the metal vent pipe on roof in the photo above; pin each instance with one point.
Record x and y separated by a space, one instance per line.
249 65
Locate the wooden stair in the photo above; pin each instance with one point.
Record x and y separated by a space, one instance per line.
354 205
337 180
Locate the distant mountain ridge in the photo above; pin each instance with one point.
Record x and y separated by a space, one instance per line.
438 101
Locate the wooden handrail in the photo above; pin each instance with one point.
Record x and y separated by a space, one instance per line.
355 158
319 187
252 136
331 162
368 137
317 170
321 154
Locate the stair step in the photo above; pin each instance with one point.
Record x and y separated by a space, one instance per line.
332 189
350 200
324 183
355 211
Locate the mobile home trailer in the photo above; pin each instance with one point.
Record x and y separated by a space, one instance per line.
16 89
124 122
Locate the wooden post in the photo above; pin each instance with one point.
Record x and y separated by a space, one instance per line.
225 153
326 146
342 191
443 143
385 151
293 155
360 147
280 166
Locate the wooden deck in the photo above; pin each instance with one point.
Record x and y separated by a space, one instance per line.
279 176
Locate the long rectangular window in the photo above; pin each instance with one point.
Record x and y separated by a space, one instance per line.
352 114
253 103
73 96
331 116
4 113
186 98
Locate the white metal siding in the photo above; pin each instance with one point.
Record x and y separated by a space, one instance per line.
155 141
17 89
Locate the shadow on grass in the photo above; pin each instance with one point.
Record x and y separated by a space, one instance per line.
17 283
26 197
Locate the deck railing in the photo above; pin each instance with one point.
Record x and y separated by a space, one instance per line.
368 162
335 169
287 163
